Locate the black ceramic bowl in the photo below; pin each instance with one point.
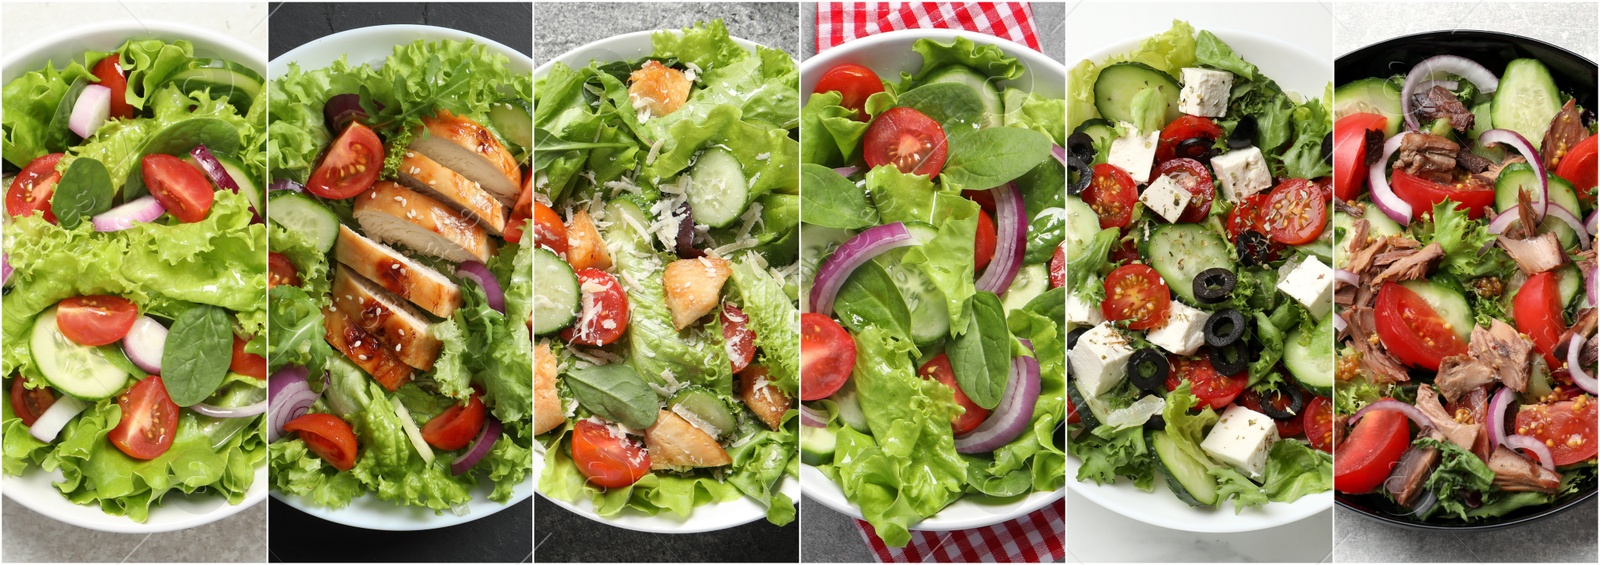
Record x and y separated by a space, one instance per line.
1575 75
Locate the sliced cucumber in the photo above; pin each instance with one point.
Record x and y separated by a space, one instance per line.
988 91
1482 121
300 214
74 369
1189 479
1518 177
1118 83
930 312
1526 100
1308 354
1181 251
239 88
720 192
1450 303
849 405
250 186
556 297
921 231
1031 282
1372 96
701 404
1570 282
1081 405
817 445
511 119
1083 223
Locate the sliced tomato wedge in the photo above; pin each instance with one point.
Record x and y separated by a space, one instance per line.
1350 152
548 230
1566 427
1058 267
1412 331
1537 310
605 310
149 420
983 242
95 320
827 356
1136 294
183 189
1580 167
938 368
1183 128
1470 195
1216 390
907 139
31 189
29 404
737 337
854 83
1111 194
1364 459
457 426
1317 420
351 165
246 363
607 459
281 270
1297 211
1193 177
327 436
109 73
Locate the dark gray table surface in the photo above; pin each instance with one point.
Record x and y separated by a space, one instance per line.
562 536
295 536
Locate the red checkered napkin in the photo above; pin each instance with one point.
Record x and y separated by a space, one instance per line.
838 22
1035 538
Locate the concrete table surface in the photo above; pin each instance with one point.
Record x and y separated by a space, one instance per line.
33 537
1574 27
560 535
831 537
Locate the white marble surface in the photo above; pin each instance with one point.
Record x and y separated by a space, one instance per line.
1573 25
1098 535
26 22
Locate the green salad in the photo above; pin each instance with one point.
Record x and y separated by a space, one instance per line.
932 347
133 179
666 227
401 291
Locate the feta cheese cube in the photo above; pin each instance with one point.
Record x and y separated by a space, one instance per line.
1241 173
1166 197
1242 438
1082 312
1184 332
1311 284
1134 152
1205 92
1100 359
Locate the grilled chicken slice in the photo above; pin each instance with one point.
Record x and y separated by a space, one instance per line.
675 444
472 150
397 273
391 213
427 176
694 287
398 326
365 350
585 249
548 414
768 402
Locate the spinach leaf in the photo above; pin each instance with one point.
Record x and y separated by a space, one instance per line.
59 133
870 298
1044 196
948 103
990 157
84 190
981 357
178 139
202 347
830 200
616 393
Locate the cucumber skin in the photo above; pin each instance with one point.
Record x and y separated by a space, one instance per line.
1155 439
324 241
1111 97
1169 250
1517 79
811 439
542 323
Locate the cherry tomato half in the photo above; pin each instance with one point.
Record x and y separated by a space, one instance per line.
827 356
327 436
180 187
938 368
854 83
95 320
1137 294
31 189
907 139
605 310
149 420
351 165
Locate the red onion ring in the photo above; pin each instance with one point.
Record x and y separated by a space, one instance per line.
1412 412
870 243
146 344
1503 222
139 210
1535 446
287 185
230 412
1011 239
1516 141
1594 286
479 273
56 417
1060 153
479 448
846 171
1382 194
1339 324
1498 407
1429 68
289 396
1014 413
810 417
1580 377
1346 277
5 269
213 169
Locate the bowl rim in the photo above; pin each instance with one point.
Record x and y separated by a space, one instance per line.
1340 499
28 59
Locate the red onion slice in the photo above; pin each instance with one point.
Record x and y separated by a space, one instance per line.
341 109
1382 194
289 396
1426 71
1011 418
870 243
213 168
1498 407
479 448
5 270
90 111
1011 239
230 412
56 417
1346 277
1594 286
139 210
1060 153
479 273
1503 222
1534 446
1412 412
145 343
846 171
1593 222
1339 324
810 417
1516 141
286 184
1575 369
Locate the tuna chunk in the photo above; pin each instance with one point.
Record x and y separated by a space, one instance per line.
1515 473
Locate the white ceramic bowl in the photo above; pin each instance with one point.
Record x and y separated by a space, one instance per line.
1297 70
890 54
373 45
708 518
34 489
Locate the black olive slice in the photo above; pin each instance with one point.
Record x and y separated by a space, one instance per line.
1296 397
1231 360
1214 285
1147 370
1224 328
1243 134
